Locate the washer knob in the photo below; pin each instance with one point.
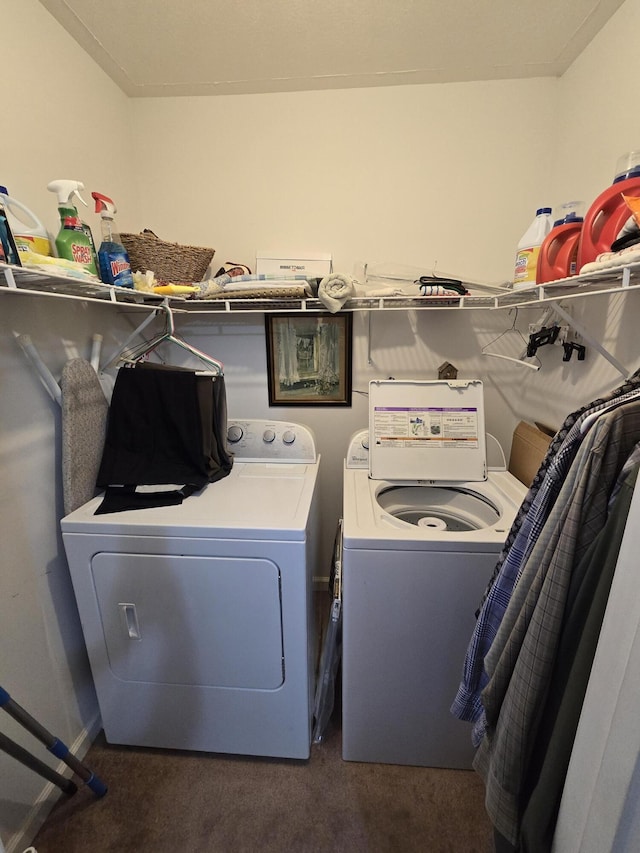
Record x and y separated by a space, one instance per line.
365 442
288 436
234 433
268 436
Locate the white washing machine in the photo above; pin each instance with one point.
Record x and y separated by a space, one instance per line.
423 524
198 618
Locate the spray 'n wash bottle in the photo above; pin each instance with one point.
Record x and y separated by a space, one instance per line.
113 260
72 242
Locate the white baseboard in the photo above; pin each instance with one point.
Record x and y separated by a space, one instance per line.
50 793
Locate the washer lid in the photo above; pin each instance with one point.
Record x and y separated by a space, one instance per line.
427 430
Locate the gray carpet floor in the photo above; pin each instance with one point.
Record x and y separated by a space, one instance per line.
168 801
163 801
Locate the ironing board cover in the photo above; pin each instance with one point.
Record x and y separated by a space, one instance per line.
84 423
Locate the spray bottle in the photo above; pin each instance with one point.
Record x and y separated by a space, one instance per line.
113 260
72 242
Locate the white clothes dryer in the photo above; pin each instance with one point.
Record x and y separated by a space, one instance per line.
198 618
423 524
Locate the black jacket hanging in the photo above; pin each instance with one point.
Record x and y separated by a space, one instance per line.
166 426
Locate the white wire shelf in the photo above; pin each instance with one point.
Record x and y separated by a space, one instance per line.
19 280
30 282
601 282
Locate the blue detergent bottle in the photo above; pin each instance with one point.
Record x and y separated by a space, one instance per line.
113 260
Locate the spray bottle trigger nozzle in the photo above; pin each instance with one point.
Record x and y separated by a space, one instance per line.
66 190
104 205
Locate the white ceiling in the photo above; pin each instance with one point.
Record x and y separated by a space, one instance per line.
162 48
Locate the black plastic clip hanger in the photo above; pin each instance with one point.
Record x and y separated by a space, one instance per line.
569 348
548 335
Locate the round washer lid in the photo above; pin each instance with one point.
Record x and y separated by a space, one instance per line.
427 430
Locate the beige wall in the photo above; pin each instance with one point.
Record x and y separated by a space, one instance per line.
446 174
61 118
421 175
597 120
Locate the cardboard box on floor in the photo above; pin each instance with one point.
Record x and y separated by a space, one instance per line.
528 449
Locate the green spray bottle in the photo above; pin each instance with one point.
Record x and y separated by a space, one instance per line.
73 243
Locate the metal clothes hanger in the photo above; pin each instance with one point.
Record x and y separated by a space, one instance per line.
519 360
169 334
615 403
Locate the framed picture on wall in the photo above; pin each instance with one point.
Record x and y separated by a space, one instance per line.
309 359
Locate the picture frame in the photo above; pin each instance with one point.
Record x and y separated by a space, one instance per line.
309 359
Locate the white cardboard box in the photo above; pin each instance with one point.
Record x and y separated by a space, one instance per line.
310 264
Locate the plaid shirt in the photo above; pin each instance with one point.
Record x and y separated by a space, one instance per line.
521 658
467 704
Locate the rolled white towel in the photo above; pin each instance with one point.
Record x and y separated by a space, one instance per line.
334 290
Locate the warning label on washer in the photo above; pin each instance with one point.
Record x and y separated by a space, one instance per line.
432 427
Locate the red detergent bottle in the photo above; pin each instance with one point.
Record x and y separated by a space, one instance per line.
609 212
559 251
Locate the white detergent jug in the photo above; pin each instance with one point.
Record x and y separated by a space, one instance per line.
28 231
529 248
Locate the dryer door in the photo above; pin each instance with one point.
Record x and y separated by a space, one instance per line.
207 621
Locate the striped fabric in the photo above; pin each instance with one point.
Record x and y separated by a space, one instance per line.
467 704
521 658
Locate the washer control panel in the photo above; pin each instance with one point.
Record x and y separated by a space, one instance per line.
358 452
270 441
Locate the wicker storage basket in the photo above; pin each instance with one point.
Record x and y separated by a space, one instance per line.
169 261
